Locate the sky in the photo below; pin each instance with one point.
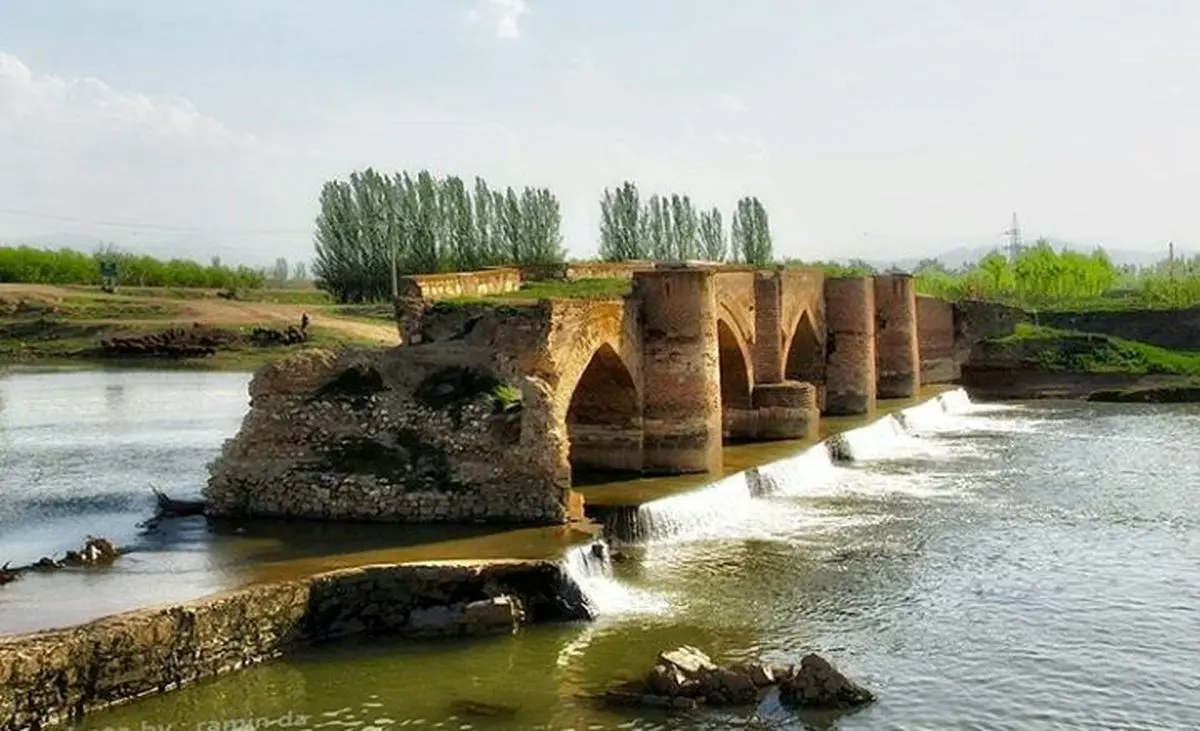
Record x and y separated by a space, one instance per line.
881 129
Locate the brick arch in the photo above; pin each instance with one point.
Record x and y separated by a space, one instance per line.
736 365
581 340
741 321
804 350
603 415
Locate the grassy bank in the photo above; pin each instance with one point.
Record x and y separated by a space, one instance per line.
45 324
1062 351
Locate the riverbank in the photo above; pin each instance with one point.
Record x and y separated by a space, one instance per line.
1034 362
200 329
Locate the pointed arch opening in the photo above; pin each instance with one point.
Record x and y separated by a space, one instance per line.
604 420
737 408
806 354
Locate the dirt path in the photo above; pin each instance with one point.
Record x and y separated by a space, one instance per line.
215 312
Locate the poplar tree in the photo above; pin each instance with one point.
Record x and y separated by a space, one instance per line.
751 233
621 225
712 235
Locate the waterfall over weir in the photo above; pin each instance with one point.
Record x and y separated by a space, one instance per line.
731 504
746 504
589 567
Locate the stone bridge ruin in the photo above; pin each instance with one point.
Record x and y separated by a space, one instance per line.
491 406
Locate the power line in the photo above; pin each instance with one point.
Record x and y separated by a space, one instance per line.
154 226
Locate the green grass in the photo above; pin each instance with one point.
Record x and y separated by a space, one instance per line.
269 295
286 296
94 308
506 397
577 289
1076 352
366 313
51 342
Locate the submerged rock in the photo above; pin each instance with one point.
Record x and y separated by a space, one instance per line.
483 709
818 684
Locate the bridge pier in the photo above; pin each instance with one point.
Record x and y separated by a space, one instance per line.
850 351
768 328
898 357
787 410
680 370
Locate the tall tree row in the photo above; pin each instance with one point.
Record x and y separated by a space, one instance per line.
670 228
750 233
372 225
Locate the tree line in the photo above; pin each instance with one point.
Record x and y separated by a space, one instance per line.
373 227
1042 277
26 264
670 228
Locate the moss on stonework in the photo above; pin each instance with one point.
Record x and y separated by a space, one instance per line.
409 459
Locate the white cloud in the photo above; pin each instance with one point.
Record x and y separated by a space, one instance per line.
503 15
78 148
56 109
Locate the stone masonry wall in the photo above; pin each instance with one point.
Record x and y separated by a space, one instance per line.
850 349
935 331
411 434
897 349
55 677
482 283
681 371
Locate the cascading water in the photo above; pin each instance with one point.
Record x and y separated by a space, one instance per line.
590 568
809 472
692 513
761 499
741 502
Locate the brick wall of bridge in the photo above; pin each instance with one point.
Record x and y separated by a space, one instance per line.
897 353
935 330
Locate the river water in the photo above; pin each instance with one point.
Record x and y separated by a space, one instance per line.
1028 566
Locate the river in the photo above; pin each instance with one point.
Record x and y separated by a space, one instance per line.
1028 566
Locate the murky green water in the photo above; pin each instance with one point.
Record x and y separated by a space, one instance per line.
1030 567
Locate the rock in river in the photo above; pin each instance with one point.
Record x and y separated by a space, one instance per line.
818 684
685 678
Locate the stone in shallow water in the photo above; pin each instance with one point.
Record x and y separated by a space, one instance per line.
690 661
818 684
728 687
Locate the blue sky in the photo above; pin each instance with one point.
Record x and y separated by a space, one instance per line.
881 129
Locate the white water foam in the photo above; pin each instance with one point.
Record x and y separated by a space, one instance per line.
590 568
953 412
689 514
812 472
760 502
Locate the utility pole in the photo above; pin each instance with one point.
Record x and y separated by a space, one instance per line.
1014 240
